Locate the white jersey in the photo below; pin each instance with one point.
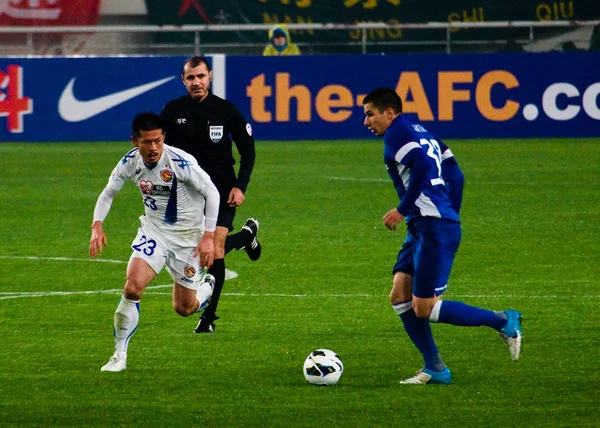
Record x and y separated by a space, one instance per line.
173 191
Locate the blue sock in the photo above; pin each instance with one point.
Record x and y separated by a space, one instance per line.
459 313
419 332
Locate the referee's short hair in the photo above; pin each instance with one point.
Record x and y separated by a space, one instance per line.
195 61
383 98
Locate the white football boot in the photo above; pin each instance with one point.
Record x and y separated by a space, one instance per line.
117 363
427 376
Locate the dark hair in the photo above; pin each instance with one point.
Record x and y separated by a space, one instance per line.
195 61
383 98
146 121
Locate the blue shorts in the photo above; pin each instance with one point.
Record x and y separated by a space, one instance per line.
428 253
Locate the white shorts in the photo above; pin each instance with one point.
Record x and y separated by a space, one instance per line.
159 250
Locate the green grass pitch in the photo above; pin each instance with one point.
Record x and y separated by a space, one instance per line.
531 241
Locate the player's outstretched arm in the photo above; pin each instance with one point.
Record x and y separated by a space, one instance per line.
98 239
206 247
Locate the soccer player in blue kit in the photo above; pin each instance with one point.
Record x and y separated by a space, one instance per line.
429 184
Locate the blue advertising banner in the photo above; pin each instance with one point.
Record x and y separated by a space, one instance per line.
83 99
456 96
309 97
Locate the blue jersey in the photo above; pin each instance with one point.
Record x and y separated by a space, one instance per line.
427 179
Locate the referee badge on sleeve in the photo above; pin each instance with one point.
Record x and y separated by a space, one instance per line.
216 133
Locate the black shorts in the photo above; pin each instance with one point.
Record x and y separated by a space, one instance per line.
226 213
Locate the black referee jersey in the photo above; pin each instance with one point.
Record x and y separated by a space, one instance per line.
205 130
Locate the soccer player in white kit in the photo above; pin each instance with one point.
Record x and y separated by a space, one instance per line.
177 229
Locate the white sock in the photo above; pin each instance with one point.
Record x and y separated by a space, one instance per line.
435 311
203 293
402 307
127 316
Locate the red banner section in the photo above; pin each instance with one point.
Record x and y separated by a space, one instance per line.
49 12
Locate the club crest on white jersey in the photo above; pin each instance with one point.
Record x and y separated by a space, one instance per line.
166 175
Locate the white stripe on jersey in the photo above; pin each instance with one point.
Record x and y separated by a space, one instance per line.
404 151
404 174
447 154
426 207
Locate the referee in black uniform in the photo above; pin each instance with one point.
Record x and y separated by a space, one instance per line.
205 125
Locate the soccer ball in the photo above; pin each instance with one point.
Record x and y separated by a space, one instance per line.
323 367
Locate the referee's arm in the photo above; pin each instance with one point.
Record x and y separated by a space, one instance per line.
241 135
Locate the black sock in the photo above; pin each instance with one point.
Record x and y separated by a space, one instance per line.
237 240
218 271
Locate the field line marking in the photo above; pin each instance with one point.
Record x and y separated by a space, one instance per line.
17 294
69 259
480 183
461 296
371 180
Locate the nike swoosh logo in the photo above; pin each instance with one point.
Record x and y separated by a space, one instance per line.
73 110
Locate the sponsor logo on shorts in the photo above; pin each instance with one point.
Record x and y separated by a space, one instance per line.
166 175
189 271
183 278
146 186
